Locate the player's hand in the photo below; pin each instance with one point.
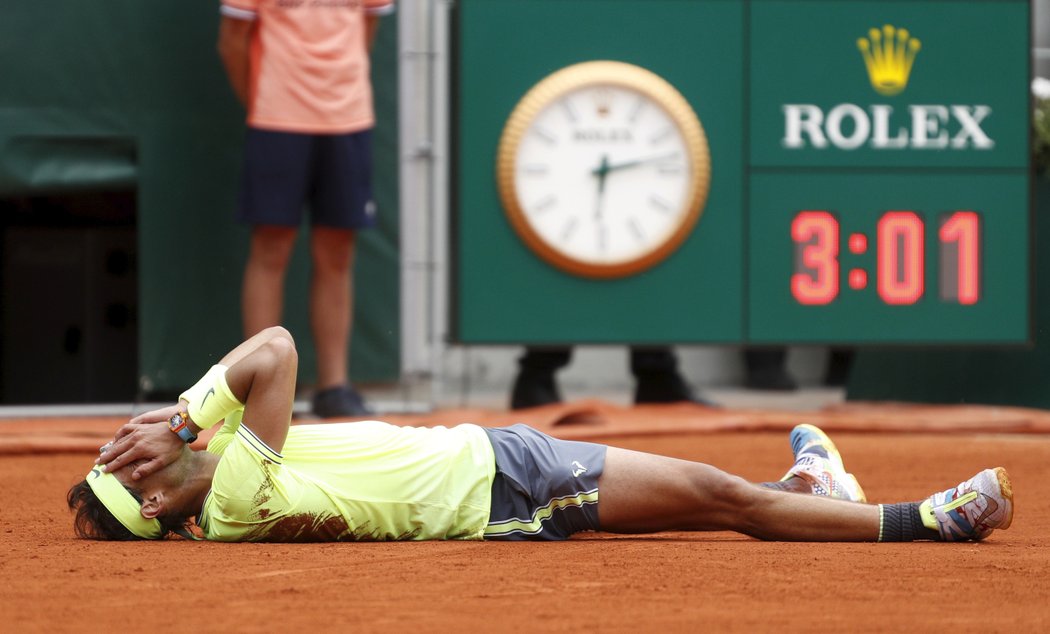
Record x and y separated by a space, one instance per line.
142 439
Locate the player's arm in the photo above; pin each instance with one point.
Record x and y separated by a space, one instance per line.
264 380
235 35
375 9
371 28
259 364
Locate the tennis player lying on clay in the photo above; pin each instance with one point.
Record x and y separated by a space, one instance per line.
262 479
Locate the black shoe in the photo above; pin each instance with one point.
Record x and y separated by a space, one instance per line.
532 389
342 400
665 387
774 379
839 363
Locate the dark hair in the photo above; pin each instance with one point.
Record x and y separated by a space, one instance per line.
94 521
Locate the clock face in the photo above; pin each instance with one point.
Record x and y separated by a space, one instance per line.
603 169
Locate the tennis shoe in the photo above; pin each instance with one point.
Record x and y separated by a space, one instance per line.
818 462
973 509
340 401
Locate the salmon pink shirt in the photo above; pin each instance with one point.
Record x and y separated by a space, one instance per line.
309 67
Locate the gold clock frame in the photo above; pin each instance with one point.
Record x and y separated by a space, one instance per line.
604 72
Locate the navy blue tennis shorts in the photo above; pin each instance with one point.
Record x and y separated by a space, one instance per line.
285 172
545 488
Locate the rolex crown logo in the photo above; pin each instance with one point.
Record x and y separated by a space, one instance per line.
889 54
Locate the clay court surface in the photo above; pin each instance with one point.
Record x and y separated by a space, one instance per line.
669 582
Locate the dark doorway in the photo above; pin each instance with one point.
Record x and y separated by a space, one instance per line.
68 308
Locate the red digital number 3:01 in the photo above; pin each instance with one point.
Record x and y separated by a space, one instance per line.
900 257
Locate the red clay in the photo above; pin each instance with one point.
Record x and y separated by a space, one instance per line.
673 581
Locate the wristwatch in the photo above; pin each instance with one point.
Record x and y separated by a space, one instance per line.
178 424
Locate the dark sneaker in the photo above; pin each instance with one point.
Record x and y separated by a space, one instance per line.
665 387
339 401
772 379
532 389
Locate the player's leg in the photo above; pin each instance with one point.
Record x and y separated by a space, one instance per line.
647 493
641 493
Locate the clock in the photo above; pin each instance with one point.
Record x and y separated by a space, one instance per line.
603 169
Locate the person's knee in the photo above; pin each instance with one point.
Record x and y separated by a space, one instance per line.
272 248
332 250
731 495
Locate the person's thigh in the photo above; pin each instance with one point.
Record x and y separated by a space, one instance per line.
274 178
341 188
272 245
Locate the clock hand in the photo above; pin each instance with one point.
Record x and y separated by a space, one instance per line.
605 168
601 171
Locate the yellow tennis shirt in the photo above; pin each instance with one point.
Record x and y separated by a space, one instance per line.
350 481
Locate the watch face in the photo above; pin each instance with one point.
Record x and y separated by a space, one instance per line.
603 169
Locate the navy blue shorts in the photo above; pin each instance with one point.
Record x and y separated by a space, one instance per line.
283 172
545 488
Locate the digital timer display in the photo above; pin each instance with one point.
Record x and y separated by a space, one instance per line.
900 257
839 257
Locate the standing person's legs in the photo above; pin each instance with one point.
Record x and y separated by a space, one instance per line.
535 384
274 181
767 369
341 204
657 378
331 302
840 360
262 293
